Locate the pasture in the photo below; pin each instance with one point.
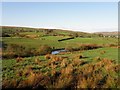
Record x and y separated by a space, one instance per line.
89 62
53 41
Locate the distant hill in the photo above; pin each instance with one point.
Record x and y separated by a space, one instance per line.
13 30
54 29
115 33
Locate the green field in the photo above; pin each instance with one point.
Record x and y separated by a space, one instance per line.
53 41
89 67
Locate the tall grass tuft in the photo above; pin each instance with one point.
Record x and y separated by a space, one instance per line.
19 59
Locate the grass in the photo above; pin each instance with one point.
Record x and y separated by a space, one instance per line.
49 40
96 40
53 41
90 55
60 75
111 52
95 68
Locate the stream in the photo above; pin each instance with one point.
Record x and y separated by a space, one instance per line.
58 51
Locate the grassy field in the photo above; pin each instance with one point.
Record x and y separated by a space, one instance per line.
89 67
53 41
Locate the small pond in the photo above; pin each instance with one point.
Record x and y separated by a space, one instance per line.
58 51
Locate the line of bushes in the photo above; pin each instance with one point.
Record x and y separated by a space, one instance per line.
15 50
83 47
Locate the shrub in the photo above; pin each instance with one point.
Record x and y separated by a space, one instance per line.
8 55
67 70
18 59
89 46
37 60
44 49
32 81
82 83
48 56
76 62
64 63
56 58
117 68
15 50
112 45
97 58
9 84
79 56
102 52
69 48
83 47
64 82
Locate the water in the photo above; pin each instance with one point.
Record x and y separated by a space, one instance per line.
58 51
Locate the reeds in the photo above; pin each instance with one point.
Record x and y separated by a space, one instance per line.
19 59
37 60
67 70
65 73
64 63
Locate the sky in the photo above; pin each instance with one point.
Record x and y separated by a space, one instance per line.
76 16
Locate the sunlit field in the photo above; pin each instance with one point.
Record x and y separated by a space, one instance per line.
88 60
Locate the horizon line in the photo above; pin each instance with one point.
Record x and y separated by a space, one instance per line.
74 30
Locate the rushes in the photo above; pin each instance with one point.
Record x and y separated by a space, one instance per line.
102 52
77 62
67 70
10 84
64 81
37 60
97 58
116 68
19 59
73 73
53 58
82 83
47 56
79 56
32 81
64 63
106 63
